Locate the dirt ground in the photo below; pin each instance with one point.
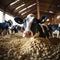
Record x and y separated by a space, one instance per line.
15 47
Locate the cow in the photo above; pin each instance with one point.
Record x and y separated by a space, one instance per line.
32 26
4 27
55 29
15 29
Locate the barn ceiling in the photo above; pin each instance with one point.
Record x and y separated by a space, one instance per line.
24 7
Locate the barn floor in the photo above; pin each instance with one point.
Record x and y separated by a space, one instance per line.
14 47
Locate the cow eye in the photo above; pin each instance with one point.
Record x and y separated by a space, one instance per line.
27 18
31 15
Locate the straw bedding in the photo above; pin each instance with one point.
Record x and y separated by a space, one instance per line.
14 47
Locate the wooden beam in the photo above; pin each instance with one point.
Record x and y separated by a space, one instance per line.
32 10
8 4
16 5
38 9
13 7
7 10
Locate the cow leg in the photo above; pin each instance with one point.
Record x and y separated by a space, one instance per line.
57 34
1 31
46 31
12 31
4 32
52 34
9 31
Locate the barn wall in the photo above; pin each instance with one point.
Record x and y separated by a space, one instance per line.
55 20
6 12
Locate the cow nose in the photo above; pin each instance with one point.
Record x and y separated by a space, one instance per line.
27 34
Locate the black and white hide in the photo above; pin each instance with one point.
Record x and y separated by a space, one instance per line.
33 25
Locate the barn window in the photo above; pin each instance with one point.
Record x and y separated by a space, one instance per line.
1 16
58 17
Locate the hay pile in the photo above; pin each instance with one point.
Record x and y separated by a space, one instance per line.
18 48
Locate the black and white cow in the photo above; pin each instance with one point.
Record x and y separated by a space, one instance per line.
31 24
15 29
4 27
55 29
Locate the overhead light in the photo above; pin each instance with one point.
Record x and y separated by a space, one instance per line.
14 2
58 17
51 12
20 6
27 7
22 10
23 13
31 5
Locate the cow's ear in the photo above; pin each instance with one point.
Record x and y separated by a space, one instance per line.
18 20
43 19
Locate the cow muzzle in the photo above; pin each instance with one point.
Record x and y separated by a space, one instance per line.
27 34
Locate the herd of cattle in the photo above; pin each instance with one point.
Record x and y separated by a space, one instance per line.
30 26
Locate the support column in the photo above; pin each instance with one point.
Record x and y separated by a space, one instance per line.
38 9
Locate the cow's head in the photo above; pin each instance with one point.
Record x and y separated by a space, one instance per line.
27 24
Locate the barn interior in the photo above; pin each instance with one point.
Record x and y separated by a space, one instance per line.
14 46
